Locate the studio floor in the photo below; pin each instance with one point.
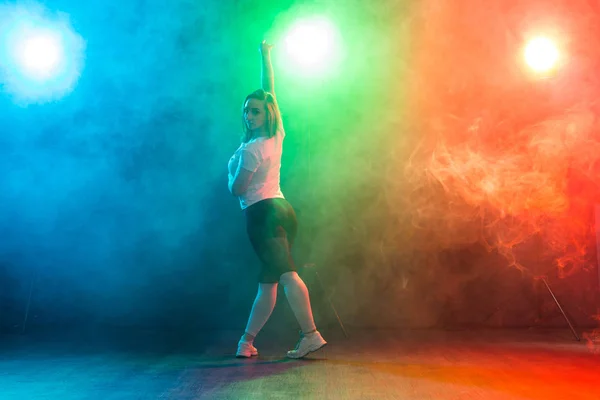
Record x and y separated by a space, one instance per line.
377 364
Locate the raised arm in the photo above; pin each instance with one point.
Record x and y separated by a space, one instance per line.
267 78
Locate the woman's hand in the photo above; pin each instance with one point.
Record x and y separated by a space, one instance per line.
265 48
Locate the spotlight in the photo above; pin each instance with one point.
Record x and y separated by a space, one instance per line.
541 54
40 55
312 45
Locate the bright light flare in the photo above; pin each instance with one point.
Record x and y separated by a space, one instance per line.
541 54
40 55
312 45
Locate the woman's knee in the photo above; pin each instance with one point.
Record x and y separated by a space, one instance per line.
267 289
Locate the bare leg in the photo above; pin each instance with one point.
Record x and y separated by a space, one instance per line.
263 306
298 297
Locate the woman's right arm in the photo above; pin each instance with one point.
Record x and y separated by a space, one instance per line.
267 77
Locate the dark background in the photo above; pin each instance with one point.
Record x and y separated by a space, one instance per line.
114 209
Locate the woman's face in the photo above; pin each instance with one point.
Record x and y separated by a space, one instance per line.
254 115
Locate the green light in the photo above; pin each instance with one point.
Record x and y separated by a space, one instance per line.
312 46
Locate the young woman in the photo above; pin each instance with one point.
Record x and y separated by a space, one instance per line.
270 220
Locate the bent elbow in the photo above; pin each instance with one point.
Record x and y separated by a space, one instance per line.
237 191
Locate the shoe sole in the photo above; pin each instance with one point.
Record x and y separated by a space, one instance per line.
240 356
310 351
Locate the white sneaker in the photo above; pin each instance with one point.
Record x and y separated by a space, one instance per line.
307 344
246 350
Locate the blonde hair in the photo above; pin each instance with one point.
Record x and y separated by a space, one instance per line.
273 120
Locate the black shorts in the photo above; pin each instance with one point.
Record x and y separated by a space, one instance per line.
272 226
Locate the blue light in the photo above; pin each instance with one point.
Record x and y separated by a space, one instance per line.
41 56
